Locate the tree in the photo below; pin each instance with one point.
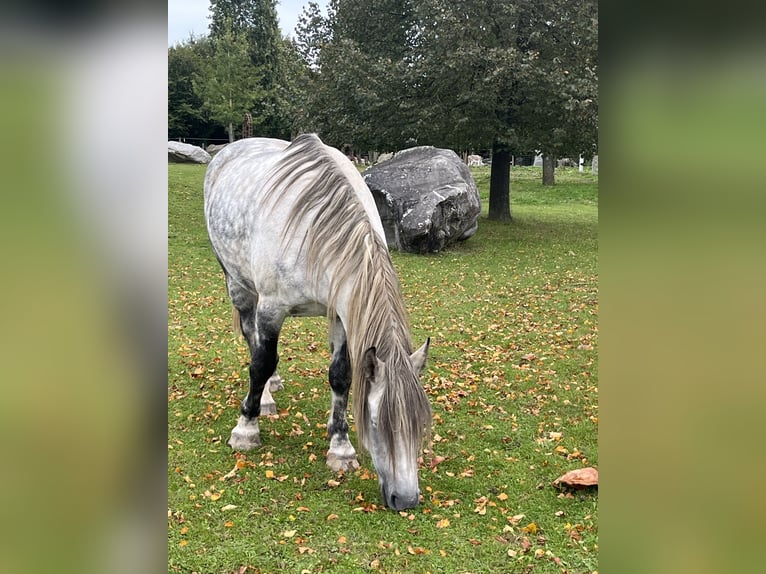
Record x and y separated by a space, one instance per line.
229 84
256 21
361 56
293 91
468 64
184 105
187 116
557 99
512 77
312 34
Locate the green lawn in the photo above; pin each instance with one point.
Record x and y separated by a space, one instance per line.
513 318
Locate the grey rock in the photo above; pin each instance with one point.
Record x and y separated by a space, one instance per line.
179 152
213 149
594 165
538 160
426 197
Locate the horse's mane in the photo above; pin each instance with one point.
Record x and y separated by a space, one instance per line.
340 237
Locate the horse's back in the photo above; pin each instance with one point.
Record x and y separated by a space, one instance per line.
253 190
241 159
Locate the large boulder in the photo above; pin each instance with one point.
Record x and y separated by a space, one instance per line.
426 197
213 149
179 152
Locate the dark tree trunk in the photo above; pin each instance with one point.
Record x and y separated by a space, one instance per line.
548 170
500 184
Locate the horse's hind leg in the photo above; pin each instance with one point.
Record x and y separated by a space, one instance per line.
275 383
341 454
261 331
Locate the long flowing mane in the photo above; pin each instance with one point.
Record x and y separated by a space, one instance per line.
340 240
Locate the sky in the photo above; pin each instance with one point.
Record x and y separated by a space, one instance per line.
191 16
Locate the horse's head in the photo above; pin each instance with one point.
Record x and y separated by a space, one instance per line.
398 417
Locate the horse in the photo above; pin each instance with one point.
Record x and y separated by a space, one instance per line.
296 231
474 160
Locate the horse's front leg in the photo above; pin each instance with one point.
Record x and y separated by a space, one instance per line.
263 362
341 454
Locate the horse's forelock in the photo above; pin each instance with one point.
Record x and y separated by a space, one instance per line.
405 412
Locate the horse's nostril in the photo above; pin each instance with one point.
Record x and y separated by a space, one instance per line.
403 502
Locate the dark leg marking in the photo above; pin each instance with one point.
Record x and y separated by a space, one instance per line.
261 332
340 382
341 454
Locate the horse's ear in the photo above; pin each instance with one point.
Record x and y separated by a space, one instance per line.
369 363
419 357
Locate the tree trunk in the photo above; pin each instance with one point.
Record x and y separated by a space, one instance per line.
500 184
548 170
231 132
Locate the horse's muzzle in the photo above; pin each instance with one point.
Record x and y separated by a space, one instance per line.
402 501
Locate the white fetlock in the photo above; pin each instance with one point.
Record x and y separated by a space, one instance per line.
341 456
338 463
246 435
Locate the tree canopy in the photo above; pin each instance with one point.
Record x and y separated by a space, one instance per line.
512 77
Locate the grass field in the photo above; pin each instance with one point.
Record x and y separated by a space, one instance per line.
512 377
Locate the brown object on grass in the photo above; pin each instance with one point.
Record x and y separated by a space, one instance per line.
579 478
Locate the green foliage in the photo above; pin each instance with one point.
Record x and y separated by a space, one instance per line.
313 34
187 116
229 84
513 317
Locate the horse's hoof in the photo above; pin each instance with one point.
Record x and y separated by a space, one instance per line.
238 442
275 383
342 463
246 435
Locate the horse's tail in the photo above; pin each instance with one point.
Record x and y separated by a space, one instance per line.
236 325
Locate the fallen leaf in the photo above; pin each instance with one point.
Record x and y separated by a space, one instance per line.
228 524
375 564
228 507
531 528
305 549
289 533
333 483
437 460
184 530
579 478
443 523
232 473
269 474
332 517
342 540
502 496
